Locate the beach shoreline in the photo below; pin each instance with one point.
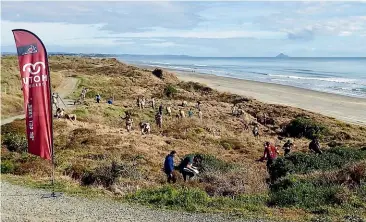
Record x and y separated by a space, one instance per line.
344 108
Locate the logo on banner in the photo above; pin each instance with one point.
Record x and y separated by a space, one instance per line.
35 68
39 78
27 49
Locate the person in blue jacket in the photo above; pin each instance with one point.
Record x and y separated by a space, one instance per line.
169 167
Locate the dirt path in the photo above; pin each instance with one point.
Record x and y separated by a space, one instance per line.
67 87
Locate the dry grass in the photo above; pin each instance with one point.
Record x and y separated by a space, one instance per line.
11 93
99 136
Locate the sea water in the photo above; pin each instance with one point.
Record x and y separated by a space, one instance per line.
345 76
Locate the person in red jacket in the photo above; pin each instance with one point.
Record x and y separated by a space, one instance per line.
270 154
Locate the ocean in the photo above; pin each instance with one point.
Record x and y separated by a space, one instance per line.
344 76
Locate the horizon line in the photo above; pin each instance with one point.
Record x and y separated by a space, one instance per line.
183 55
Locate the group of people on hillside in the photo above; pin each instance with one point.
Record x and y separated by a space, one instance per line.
187 167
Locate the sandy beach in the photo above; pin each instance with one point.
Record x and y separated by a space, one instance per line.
348 109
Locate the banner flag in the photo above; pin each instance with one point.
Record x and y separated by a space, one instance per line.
36 86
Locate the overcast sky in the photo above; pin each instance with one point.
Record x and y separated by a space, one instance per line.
191 28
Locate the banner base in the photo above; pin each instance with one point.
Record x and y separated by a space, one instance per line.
52 195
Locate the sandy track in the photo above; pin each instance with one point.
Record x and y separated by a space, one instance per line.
67 87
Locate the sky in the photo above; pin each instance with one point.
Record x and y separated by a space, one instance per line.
264 29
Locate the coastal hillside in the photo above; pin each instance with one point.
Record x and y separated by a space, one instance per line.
95 155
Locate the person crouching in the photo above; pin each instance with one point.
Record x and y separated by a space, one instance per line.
186 167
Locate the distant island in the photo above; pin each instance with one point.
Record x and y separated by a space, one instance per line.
281 55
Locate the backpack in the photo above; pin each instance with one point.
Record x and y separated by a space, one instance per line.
271 152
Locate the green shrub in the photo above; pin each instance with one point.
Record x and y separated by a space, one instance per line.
108 175
17 126
212 164
158 73
7 166
304 127
195 87
190 199
301 193
15 142
302 163
170 91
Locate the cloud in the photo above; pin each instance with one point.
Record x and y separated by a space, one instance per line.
304 34
56 33
117 16
162 44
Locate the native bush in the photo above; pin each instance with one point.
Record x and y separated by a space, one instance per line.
107 175
103 175
158 73
195 87
17 126
212 164
305 127
292 191
302 163
7 166
170 91
189 199
15 142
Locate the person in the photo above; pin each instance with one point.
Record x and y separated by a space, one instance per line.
145 128
169 110
55 100
256 131
159 119
161 109
110 101
97 97
270 154
287 147
190 113
143 102
182 114
198 104
186 167
83 93
314 146
239 111
153 103
60 113
234 110
139 102
129 122
265 119
169 167
200 114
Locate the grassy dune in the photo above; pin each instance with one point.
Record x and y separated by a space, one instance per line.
97 153
11 93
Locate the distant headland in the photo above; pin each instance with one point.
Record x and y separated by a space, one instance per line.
281 55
